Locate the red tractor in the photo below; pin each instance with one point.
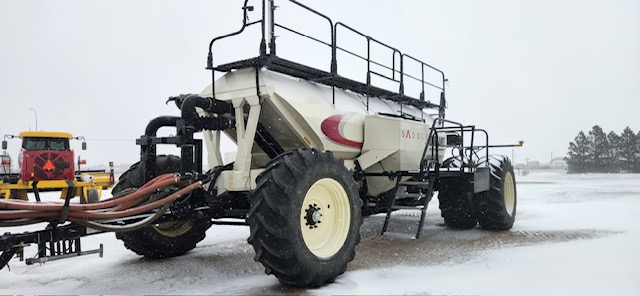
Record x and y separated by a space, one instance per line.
46 162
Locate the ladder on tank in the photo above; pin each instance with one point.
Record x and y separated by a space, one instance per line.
418 192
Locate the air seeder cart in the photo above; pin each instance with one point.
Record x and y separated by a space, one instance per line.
317 151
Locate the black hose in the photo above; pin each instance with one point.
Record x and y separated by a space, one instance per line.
191 117
21 222
207 104
128 227
158 122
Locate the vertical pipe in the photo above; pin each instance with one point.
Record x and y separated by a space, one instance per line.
198 155
263 41
271 26
393 65
334 45
473 135
213 77
401 79
368 69
333 90
422 93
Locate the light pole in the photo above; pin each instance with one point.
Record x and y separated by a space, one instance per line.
36 113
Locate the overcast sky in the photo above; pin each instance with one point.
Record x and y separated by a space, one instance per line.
540 71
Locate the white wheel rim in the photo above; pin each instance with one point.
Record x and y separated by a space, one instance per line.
509 194
174 228
325 217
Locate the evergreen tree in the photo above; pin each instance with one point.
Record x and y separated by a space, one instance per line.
578 154
604 153
613 154
636 162
629 151
598 147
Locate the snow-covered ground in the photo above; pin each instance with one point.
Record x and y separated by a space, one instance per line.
574 235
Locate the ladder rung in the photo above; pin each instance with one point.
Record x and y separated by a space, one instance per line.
399 235
414 183
407 207
410 195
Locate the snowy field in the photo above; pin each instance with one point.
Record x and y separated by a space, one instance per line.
574 235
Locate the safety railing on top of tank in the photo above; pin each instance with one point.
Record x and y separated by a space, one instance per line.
368 59
395 64
423 66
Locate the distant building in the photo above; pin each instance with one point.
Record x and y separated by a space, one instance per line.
532 165
558 163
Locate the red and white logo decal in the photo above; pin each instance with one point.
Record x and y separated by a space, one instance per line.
333 128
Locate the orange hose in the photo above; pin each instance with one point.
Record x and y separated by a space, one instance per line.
138 210
10 204
84 215
21 209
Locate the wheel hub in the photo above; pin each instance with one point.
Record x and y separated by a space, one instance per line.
325 202
313 216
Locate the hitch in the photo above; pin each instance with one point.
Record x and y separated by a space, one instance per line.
54 243
63 249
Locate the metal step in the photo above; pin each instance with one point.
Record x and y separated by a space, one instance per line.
419 207
410 195
422 202
400 235
414 183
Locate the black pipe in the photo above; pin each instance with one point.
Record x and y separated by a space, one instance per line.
158 122
186 125
207 104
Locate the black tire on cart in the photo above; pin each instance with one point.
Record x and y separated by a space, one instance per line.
93 196
162 240
496 208
305 218
456 200
19 194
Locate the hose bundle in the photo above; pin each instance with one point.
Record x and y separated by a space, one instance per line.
125 205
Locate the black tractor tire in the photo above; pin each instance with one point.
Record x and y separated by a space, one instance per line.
305 218
19 194
93 196
169 239
456 201
496 208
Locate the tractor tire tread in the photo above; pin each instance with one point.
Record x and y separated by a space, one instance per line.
271 209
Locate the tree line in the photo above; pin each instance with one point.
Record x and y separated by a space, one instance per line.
597 152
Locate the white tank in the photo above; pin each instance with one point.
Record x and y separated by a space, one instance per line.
299 113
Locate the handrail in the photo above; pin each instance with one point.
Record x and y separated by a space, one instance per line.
334 65
303 35
429 66
369 39
244 25
332 78
464 151
432 129
442 103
